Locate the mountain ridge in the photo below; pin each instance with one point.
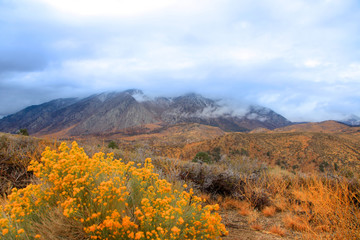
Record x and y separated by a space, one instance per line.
113 111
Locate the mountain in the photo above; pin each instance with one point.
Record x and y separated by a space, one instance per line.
351 120
34 117
112 112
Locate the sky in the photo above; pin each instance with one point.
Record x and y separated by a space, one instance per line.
300 58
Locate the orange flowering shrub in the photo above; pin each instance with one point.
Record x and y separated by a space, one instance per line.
108 198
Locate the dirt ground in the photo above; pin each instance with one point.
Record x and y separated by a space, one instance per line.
239 227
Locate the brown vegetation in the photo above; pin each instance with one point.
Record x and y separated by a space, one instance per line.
249 183
16 152
269 211
337 154
324 127
277 230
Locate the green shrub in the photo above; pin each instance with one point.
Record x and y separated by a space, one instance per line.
202 157
113 145
23 131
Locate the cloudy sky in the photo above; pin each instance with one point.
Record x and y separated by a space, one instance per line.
300 57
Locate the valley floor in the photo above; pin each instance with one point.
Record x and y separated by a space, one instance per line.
257 200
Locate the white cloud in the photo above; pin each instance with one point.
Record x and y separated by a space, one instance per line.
351 73
277 53
312 63
107 8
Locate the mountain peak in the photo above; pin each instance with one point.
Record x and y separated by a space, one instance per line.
106 95
134 91
110 112
351 120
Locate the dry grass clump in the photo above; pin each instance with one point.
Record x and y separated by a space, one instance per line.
280 202
58 227
277 230
259 199
330 203
244 212
245 209
231 203
295 223
16 152
320 206
206 197
257 226
269 211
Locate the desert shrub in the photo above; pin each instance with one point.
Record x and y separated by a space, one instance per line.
213 179
113 145
215 154
23 131
323 165
259 199
244 152
244 165
202 157
78 197
167 168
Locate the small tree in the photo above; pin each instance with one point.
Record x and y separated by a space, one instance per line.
23 131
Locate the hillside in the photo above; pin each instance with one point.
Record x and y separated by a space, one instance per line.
110 113
324 127
255 202
306 151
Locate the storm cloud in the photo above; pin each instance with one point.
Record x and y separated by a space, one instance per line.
299 58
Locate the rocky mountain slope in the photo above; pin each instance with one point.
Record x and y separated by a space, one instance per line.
115 111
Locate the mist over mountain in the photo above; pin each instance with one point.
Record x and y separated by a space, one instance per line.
351 120
110 112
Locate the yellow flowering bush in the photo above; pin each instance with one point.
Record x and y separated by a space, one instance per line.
108 199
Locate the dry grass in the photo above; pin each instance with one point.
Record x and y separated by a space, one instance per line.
280 202
16 152
231 203
244 208
58 227
257 226
330 203
317 206
269 211
244 211
295 223
205 197
253 217
277 230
